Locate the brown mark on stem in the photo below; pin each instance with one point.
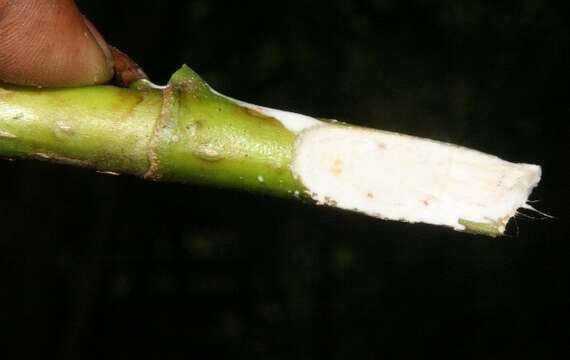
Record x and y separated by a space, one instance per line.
188 86
168 102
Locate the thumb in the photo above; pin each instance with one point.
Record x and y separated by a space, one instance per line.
49 43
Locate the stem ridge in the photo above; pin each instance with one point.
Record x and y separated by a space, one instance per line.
167 111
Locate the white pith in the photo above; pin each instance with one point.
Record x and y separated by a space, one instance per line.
399 177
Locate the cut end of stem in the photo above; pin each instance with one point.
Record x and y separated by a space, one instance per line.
399 177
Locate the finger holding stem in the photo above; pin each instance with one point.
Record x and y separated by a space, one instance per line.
49 43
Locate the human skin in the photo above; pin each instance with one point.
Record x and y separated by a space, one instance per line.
49 43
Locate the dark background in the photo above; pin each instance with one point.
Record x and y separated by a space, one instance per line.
95 266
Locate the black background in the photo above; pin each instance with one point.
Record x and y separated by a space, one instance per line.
95 266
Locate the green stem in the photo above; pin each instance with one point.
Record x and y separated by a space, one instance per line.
183 132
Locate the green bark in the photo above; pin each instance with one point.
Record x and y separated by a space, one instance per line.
183 132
